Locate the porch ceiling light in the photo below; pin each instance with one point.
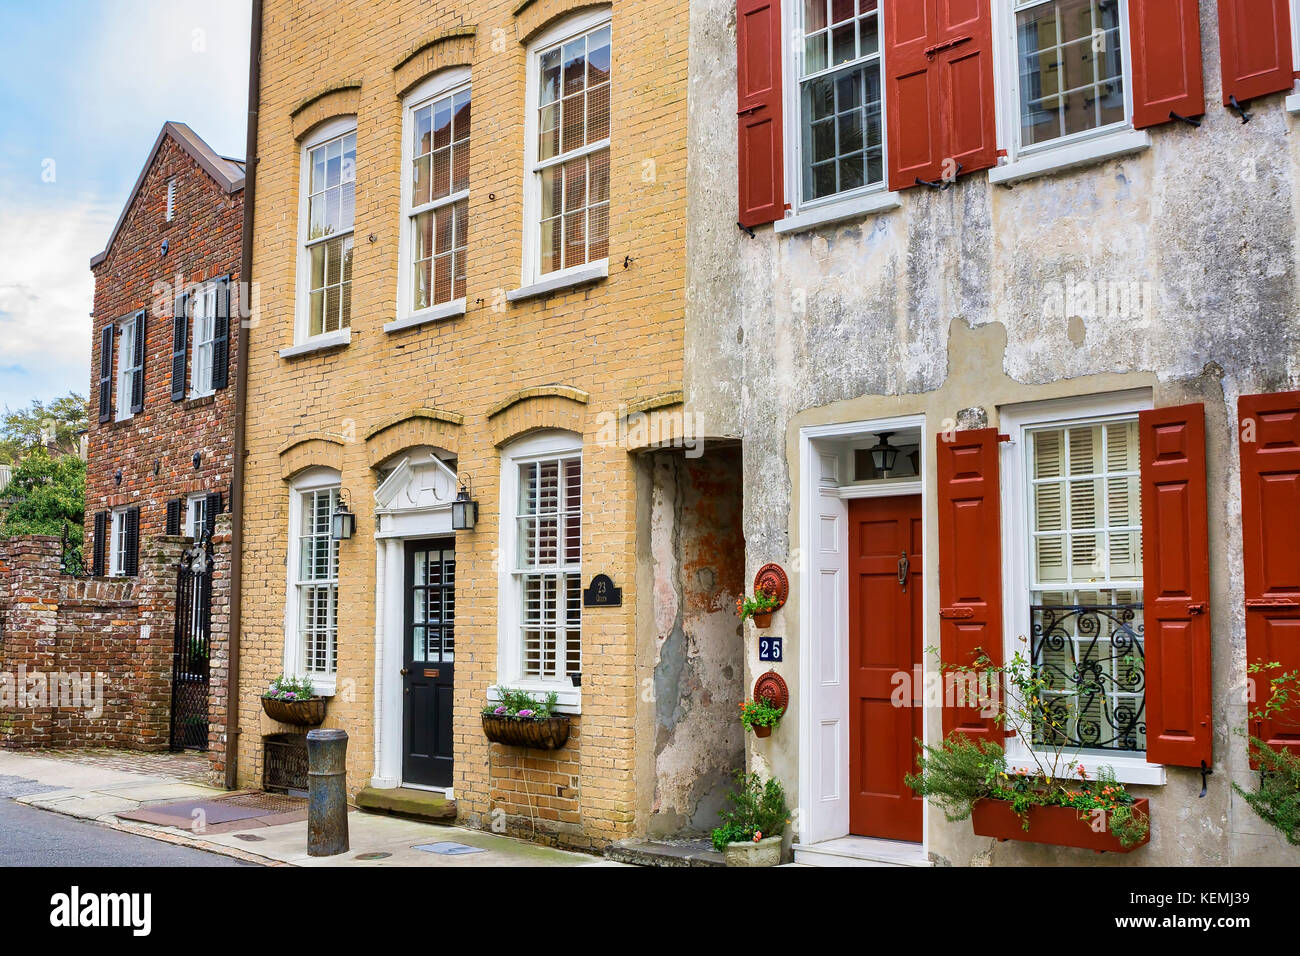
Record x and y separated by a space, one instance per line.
884 454
464 510
343 523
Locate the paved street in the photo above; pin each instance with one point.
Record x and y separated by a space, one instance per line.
30 837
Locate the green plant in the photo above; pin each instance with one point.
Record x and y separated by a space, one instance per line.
1277 798
760 603
46 496
960 772
291 688
756 810
760 713
521 705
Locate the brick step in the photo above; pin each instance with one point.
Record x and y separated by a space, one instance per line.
408 802
654 853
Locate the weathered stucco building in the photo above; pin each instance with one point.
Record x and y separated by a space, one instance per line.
481 299
1004 222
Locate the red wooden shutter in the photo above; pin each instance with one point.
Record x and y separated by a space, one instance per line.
1176 585
939 96
1165 38
1254 48
758 87
970 567
1269 438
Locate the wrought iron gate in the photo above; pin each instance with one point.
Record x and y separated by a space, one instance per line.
191 649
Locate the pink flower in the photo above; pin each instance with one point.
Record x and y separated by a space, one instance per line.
526 713
499 710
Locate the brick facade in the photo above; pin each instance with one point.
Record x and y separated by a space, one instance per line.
154 449
574 359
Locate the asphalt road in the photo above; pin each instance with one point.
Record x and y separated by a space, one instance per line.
30 837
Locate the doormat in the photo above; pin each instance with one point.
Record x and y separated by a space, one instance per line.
448 849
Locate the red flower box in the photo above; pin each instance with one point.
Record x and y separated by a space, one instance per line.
1056 826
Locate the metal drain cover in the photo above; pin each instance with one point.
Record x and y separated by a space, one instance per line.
448 849
372 856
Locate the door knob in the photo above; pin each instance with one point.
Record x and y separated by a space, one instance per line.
404 672
903 566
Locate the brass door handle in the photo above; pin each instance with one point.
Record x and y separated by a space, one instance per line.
904 564
404 672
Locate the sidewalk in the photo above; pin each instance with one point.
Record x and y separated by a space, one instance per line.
258 828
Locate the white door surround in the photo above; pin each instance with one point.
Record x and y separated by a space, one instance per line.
824 491
413 502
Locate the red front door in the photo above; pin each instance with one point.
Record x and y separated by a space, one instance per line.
884 640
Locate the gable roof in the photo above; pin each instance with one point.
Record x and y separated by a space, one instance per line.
228 173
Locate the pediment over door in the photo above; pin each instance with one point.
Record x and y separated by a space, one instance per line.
419 486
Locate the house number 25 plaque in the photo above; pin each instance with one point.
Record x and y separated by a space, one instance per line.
602 593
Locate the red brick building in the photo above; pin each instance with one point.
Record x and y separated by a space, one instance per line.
164 353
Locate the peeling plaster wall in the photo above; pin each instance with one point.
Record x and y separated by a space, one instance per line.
1173 269
694 670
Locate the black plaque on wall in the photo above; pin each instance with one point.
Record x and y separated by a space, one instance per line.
602 593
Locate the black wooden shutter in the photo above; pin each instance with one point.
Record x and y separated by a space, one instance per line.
174 516
137 366
180 346
212 508
100 545
221 336
106 373
131 565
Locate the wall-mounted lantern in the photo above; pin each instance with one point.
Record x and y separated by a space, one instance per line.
343 523
884 454
464 510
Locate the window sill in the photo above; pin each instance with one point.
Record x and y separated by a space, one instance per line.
448 310
570 278
196 400
1083 153
1293 103
324 686
854 208
1128 770
570 698
321 343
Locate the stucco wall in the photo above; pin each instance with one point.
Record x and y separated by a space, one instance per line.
963 298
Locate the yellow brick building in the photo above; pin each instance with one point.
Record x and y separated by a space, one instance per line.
452 340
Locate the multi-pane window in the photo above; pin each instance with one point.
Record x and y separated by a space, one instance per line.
331 205
196 519
1071 67
203 337
840 97
439 187
317 582
118 542
572 151
433 605
548 567
126 368
1085 524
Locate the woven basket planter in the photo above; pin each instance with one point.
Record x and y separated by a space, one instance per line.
549 734
303 713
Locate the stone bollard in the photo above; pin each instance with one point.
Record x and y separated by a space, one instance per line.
327 796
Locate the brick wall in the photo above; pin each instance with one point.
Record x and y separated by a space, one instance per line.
616 342
117 632
154 449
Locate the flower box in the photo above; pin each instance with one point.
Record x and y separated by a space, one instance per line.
303 713
1055 826
550 733
765 852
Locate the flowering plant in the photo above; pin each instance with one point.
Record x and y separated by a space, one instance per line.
760 603
756 809
521 705
760 713
291 688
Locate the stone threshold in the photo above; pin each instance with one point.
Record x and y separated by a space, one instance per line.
655 853
408 802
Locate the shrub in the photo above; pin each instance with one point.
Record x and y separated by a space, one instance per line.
757 810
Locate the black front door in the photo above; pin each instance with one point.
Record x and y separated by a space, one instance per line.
427 662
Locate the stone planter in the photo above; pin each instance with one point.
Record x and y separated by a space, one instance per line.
549 734
766 852
303 713
1055 826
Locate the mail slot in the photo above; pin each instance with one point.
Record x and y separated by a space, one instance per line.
431 672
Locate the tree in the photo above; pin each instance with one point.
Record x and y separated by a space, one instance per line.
40 423
46 496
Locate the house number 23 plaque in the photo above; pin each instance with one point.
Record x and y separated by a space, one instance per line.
602 593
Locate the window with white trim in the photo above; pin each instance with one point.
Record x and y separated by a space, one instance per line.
1084 521
328 211
435 194
314 576
203 335
118 542
568 149
1071 69
839 103
126 368
196 516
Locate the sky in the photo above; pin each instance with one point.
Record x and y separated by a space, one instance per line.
85 88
